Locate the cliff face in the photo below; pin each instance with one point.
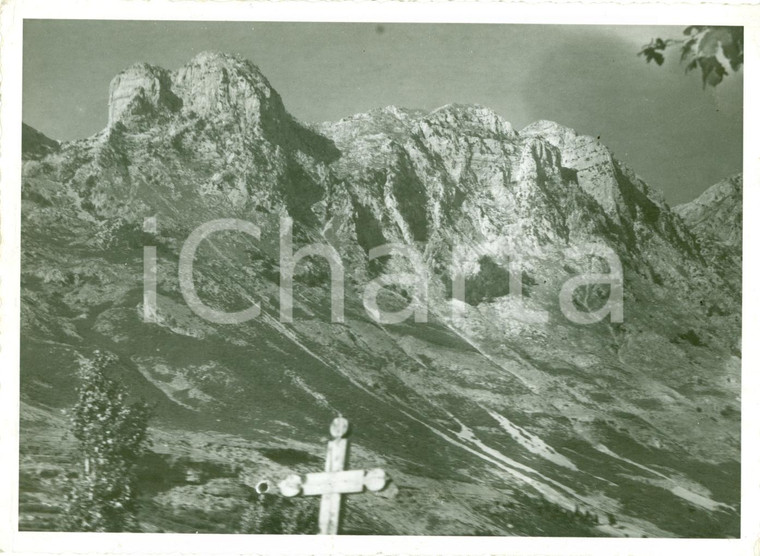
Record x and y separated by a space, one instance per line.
211 85
715 219
716 215
464 412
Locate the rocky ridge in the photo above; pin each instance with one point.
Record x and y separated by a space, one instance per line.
716 215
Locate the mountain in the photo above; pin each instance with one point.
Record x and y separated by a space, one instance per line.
715 219
716 215
498 415
35 144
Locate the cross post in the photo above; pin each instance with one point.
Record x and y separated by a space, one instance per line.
335 481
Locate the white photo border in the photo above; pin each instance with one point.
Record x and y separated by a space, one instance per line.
12 15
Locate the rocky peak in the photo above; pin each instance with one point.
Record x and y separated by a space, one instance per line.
407 167
596 169
579 152
716 215
390 121
227 87
556 134
140 89
221 86
469 119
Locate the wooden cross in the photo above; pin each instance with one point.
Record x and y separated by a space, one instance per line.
335 481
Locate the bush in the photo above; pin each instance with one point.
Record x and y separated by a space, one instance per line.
491 282
274 515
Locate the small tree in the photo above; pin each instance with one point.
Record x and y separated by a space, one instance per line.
112 436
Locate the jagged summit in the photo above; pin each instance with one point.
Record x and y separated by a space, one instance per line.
140 89
444 159
391 119
548 128
461 119
212 84
222 84
716 215
208 58
469 118
623 196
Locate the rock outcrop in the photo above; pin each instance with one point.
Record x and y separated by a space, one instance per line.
228 88
716 215
715 219
141 90
212 85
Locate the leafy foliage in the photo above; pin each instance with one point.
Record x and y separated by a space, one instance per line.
112 436
274 515
714 50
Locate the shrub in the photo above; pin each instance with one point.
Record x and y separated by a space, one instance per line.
274 515
111 436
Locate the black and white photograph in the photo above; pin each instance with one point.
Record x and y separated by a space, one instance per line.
380 278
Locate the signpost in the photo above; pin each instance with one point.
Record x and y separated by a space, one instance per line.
335 481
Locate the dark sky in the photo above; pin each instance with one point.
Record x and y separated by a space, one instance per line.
677 136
